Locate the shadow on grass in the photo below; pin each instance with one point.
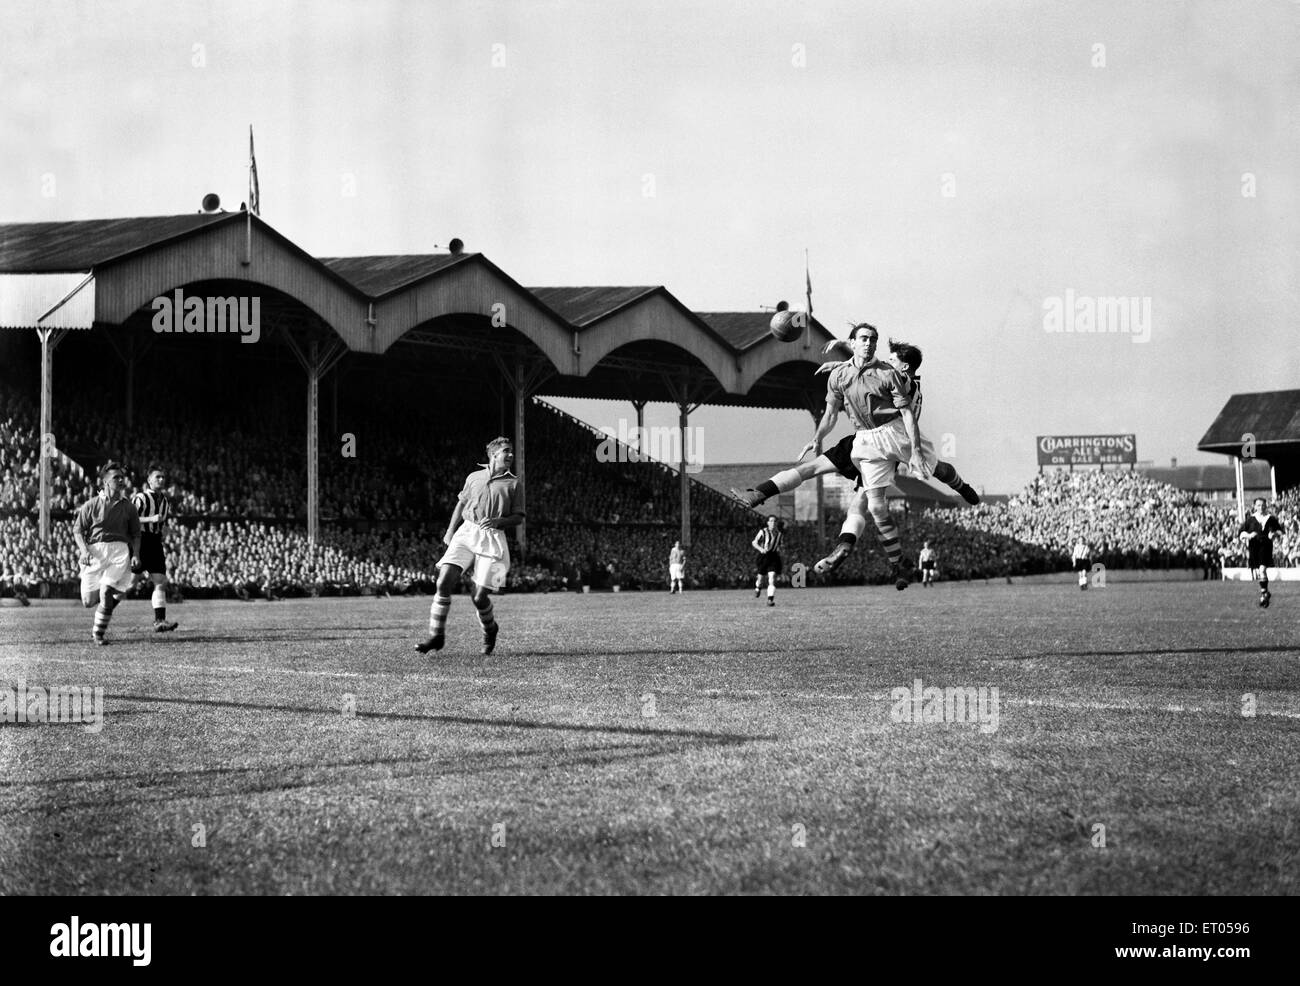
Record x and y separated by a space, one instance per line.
726 739
1159 652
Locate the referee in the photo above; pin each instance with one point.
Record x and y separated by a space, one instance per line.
767 542
154 509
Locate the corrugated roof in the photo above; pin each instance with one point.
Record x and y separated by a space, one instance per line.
1273 416
380 275
741 329
745 329
583 306
49 248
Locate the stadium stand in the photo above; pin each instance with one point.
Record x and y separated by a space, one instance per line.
237 479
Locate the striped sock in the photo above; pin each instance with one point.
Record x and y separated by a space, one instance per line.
159 603
438 614
888 535
485 614
786 480
103 613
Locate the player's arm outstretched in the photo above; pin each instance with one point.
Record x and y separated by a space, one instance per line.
826 425
133 533
81 531
454 523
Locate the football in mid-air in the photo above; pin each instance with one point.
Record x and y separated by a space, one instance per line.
786 324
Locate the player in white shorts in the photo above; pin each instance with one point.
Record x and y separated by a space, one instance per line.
488 504
107 531
676 568
883 401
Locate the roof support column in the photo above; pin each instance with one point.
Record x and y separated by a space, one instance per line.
1241 489
316 362
821 489
129 356
1272 479
680 390
49 340
523 378
640 423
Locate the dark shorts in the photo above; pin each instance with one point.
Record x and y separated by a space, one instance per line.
1260 553
927 565
769 562
151 554
840 455
1083 565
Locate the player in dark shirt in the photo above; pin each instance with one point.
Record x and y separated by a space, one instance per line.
1258 531
154 509
107 531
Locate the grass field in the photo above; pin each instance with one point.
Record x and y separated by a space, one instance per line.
647 743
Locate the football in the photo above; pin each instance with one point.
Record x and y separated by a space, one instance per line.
786 324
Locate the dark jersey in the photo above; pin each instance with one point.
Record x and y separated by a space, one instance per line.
101 520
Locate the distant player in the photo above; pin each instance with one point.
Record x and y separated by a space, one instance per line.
107 531
488 505
883 400
927 559
1081 556
767 542
1258 531
676 568
154 509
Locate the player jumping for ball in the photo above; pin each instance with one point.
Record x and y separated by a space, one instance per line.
1258 531
883 400
154 509
107 531
767 542
839 457
488 505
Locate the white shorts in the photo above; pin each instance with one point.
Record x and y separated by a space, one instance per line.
675 571
485 551
877 451
110 565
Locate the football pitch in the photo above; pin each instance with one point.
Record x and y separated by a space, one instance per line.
1142 739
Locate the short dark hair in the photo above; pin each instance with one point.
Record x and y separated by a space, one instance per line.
908 353
853 332
110 467
153 468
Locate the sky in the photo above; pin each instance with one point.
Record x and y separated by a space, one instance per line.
959 173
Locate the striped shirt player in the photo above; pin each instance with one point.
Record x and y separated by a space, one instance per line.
489 503
155 511
107 531
767 542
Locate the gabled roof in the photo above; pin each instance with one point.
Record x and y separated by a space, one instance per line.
1272 417
47 248
583 306
381 275
745 329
